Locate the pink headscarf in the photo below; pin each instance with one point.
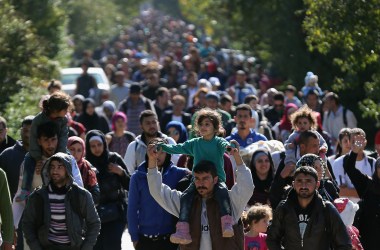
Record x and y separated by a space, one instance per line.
76 139
116 116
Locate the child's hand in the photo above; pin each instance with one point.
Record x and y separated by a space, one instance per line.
39 165
322 150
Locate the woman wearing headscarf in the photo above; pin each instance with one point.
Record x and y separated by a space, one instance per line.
90 119
262 174
177 131
285 125
77 149
113 181
119 139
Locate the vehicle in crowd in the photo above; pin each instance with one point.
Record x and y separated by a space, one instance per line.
70 75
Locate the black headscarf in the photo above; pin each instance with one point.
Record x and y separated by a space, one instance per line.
262 185
99 162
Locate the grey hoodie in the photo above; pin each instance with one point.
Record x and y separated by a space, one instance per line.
82 220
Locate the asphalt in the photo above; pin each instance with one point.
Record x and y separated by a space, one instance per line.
126 243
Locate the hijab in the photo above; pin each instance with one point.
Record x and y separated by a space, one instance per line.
99 162
261 185
285 123
180 128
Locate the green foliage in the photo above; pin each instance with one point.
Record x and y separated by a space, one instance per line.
48 22
23 103
92 21
347 31
21 53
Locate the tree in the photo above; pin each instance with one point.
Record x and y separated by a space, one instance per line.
347 31
21 54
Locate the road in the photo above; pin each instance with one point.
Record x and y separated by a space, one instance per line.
126 242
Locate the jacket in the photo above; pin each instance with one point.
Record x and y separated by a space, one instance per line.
145 215
217 241
82 220
136 152
10 161
285 231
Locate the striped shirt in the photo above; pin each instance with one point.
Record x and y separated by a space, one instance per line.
58 233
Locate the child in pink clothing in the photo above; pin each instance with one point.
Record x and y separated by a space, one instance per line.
257 220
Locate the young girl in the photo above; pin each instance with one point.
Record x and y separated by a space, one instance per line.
257 220
54 108
303 119
211 147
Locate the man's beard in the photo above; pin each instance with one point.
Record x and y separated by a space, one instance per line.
305 195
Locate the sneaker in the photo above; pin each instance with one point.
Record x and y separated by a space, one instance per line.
22 196
227 223
182 235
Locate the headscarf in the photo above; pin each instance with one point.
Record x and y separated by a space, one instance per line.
180 128
117 115
75 139
85 168
309 160
261 185
99 162
285 123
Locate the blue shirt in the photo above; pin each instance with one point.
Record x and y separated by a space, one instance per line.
251 138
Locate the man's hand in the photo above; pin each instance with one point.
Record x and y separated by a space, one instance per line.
288 170
152 153
358 143
234 151
39 165
116 169
135 244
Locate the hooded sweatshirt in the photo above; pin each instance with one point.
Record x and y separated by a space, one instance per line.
56 215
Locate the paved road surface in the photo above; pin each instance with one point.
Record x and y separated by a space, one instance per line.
126 241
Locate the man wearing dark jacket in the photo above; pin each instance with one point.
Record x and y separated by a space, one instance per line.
12 158
305 221
60 215
5 140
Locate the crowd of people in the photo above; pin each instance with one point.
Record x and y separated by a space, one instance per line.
164 154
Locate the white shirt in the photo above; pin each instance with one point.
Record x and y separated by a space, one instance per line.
205 243
342 177
176 118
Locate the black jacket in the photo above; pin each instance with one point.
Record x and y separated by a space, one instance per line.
284 230
368 216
